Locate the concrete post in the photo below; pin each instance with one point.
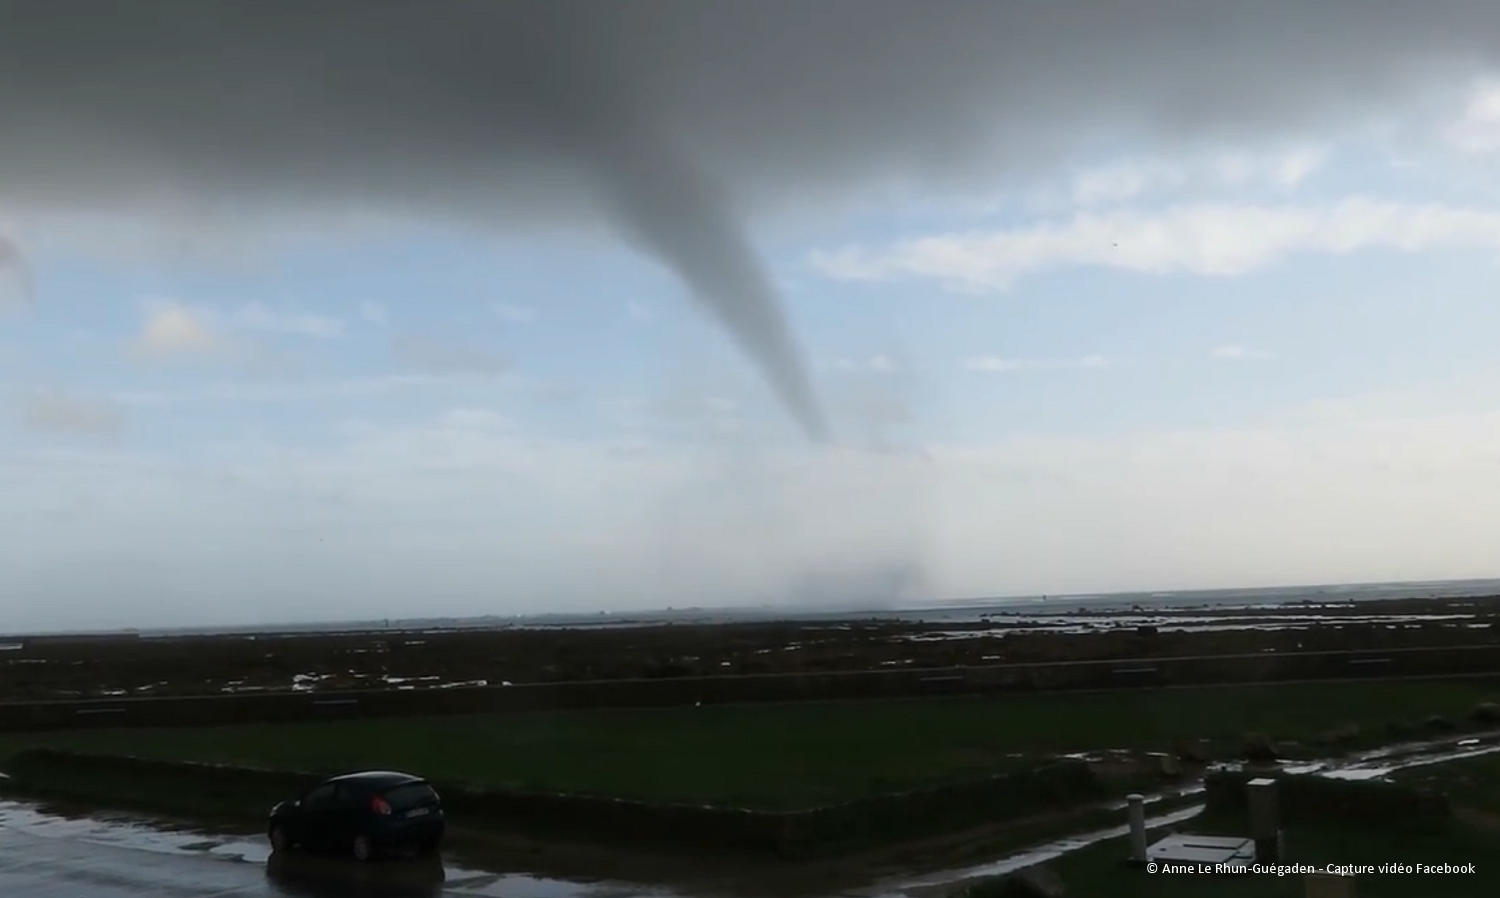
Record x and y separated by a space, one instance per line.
1265 819
1329 885
1137 806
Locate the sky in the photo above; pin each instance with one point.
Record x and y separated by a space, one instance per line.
676 334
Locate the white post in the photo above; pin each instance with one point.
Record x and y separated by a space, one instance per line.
1265 819
1137 805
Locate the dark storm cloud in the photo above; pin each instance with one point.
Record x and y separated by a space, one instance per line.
670 119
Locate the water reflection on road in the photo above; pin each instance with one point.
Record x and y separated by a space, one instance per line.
57 855
314 877
61 855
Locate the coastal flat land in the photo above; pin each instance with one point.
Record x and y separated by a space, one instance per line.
1472 785
786 756
1097 871
50 669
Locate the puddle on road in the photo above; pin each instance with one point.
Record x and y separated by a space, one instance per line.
297 871
127 832
457 874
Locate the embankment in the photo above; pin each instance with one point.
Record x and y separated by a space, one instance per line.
1310 799
1211 670
241 792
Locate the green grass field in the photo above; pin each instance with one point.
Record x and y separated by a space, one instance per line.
1096 872
787 755
1471 782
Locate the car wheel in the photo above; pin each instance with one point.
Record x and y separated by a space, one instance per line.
279 841
363 849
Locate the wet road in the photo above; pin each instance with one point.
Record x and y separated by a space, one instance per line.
45 856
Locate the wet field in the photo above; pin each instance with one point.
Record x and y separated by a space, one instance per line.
62 668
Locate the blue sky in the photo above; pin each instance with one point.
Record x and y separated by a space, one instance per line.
1164 368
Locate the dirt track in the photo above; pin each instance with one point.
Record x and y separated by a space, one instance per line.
227 664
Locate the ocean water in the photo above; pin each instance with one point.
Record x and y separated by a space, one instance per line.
967 610
1206 598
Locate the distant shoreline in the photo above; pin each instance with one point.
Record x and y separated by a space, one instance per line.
1269 599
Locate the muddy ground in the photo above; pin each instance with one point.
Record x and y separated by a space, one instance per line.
61 669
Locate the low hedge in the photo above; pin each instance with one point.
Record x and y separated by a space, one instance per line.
222 791
950 807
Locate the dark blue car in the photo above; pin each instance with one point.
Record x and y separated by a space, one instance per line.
365 814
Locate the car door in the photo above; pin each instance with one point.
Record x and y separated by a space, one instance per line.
315 817
346 817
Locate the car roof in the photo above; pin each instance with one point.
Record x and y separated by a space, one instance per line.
376 778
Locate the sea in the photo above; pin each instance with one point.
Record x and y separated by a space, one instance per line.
935 612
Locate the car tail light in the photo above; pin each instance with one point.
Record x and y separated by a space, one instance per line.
380 806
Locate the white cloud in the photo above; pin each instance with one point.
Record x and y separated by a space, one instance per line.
260 317
1207 240
638 311
994 363
1132 179
1298 166
481 515
1236 353
1122 181
514 313
175 330
875 364
1285 170
59 412
1477 129
315 390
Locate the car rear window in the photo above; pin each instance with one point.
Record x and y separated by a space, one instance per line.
410 795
